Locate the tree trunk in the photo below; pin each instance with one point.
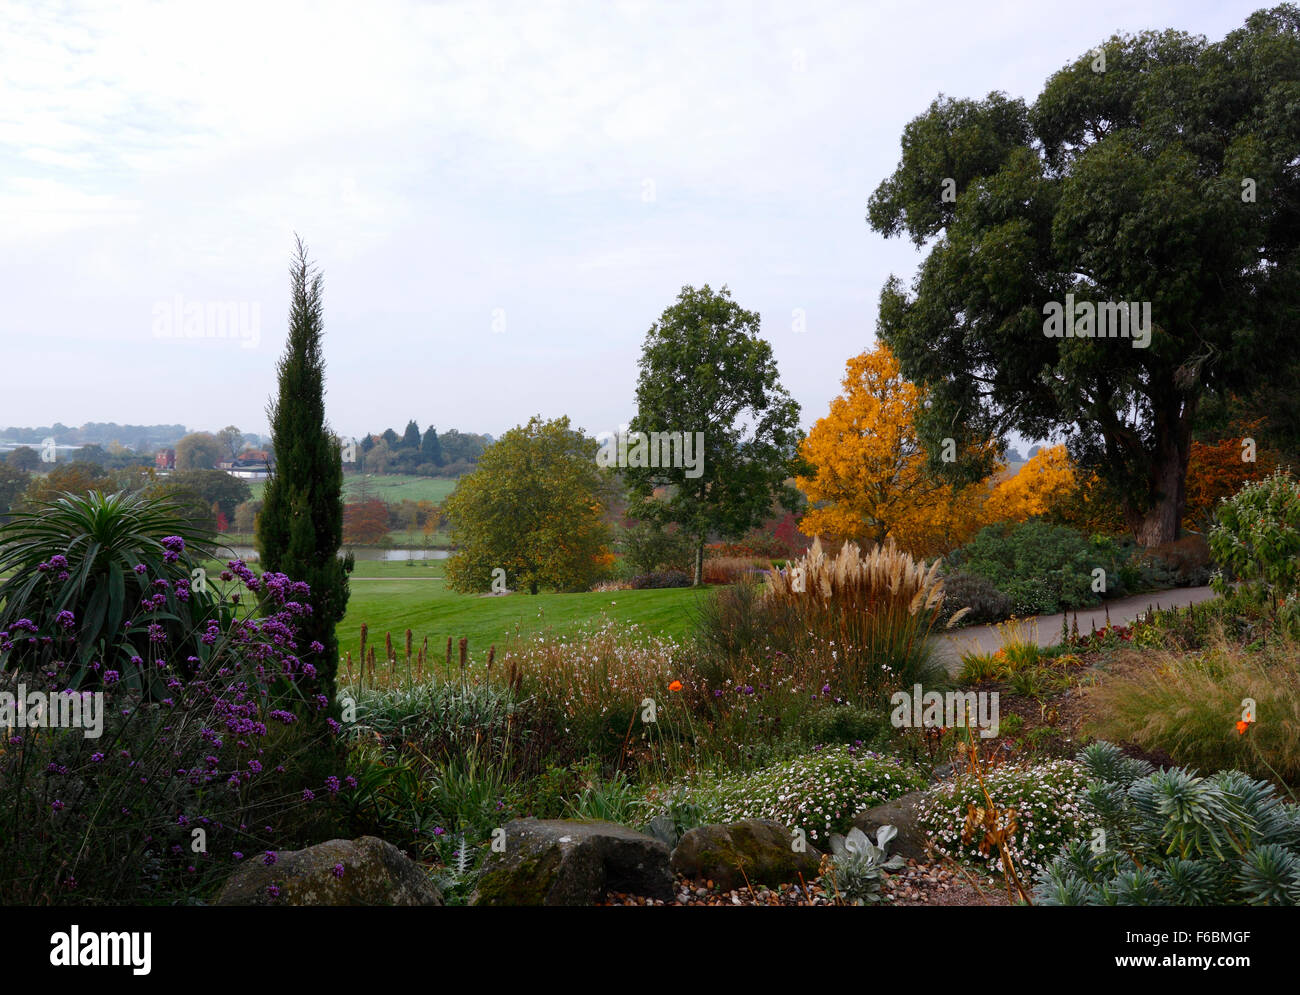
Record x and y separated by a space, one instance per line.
699 563
1160 519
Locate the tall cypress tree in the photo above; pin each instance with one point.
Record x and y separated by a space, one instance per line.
411 437
430 447
301 526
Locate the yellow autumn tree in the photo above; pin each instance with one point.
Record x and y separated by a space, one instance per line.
1051 486
1048 478
870 481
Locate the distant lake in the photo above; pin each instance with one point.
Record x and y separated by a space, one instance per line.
249 555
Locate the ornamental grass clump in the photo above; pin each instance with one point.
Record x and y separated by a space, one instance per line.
1187 704
612 692
874 611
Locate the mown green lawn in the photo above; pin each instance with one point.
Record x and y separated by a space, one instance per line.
392 488
394 604
392 597
422 569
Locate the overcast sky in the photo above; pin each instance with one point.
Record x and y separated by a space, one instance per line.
502 198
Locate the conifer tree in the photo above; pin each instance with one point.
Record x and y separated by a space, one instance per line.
301 526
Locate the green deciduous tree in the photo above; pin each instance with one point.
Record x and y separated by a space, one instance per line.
533 508
300 529
23 458
215 487
232 440
1157 168
704 369
198 451
12 484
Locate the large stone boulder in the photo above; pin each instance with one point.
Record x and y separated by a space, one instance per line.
563 862
365 871
758 850
901 814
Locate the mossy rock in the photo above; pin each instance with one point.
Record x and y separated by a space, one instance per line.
757 851
565 862
374 872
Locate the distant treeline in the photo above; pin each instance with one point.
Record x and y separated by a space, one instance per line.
141 438
425 454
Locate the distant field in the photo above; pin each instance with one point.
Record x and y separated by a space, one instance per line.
418 569
390 488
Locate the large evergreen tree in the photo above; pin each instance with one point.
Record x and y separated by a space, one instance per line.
1157 169
301 526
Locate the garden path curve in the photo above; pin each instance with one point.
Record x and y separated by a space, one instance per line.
984 638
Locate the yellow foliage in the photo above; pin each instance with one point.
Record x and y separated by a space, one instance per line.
1046 479
1051 485
871 482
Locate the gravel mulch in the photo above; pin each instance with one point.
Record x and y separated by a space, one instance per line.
914 885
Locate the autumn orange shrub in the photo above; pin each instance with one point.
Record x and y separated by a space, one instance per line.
365 521
1216 470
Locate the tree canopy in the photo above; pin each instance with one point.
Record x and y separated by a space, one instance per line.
870 479
706 372
534 509
198 451
1157 169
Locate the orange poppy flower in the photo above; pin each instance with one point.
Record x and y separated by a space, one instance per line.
1243 725
675 686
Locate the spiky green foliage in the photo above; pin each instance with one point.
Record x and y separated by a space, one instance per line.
103 539
1175 838
301 526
